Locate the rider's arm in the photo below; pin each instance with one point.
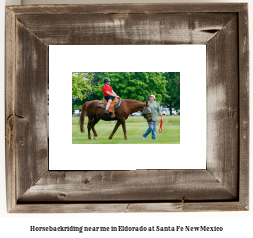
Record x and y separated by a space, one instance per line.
114 93
109 93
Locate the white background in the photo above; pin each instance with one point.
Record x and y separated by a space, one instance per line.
236 224
189 60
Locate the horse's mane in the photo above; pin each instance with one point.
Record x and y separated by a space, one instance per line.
133 105
131 100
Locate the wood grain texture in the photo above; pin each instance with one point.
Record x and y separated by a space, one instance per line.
223 186
186 207
129 207
9 108
30 108
244 106
118 29
153 8
222 107
139 185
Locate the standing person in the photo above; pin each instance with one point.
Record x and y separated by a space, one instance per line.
108 93
155 110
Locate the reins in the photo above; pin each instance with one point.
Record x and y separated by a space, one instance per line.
161 125
160 122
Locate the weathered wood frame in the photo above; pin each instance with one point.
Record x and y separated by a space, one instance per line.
223 186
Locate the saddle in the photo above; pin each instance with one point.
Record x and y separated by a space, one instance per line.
114 104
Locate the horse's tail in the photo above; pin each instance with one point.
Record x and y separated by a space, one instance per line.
82 117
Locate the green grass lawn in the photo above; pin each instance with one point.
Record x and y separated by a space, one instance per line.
136 127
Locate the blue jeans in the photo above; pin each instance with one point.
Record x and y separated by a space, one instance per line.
151 128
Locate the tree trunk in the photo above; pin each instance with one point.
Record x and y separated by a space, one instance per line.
171 108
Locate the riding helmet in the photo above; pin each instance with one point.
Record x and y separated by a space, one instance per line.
106 80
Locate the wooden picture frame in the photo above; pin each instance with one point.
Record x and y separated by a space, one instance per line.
222 186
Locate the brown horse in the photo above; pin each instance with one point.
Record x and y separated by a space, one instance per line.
126 108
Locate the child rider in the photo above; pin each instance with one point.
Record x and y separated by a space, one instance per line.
108 93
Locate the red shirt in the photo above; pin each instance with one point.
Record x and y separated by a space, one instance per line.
107 88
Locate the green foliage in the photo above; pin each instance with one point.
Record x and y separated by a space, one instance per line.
128 85
136 85
81 84
81 87
173 89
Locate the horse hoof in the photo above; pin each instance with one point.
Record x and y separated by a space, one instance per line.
95 138
110 138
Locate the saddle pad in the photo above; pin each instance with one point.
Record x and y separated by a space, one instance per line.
103 101
104 105
114 101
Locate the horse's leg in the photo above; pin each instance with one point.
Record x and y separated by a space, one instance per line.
89 126
124 129
115 129
95 121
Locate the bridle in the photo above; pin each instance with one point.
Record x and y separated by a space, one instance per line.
146 111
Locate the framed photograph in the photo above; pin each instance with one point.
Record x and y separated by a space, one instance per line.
171 117
178 69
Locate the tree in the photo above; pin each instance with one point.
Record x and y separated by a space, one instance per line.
95 79
135 85
81 87
173 89
128 85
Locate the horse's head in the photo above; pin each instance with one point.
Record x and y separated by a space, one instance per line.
147 112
